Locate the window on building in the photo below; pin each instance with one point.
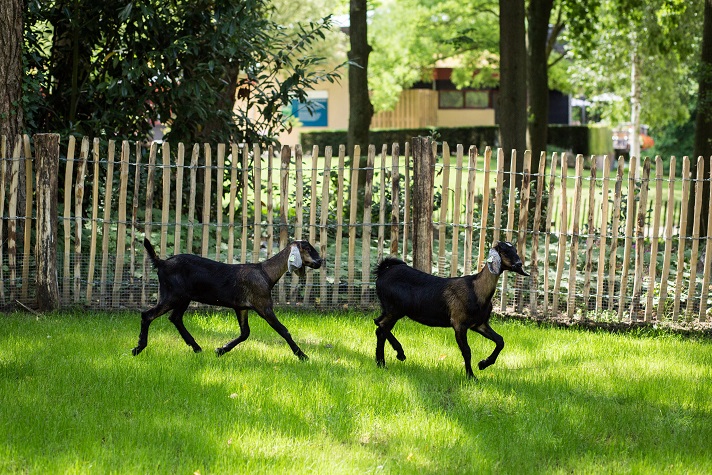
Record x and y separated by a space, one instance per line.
451 100
465 99
476 99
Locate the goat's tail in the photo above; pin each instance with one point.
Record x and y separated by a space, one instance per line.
385 264
151 252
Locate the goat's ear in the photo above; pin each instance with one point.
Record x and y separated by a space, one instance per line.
295 259
494 262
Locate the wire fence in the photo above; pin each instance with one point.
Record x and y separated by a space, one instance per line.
599 243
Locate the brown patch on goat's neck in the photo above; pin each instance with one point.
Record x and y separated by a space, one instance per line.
485 283
455 295
276 266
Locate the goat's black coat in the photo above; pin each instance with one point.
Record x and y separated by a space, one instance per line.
185 278
423 297
461 303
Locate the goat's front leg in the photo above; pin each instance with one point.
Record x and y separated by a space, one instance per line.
146 318
177 319
244 333
271 318
486 331
461 338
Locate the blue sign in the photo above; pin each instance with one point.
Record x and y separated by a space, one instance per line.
318 117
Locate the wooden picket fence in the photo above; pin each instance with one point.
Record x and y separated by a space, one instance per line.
593 251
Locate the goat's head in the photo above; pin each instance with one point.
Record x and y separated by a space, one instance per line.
302 254
509 259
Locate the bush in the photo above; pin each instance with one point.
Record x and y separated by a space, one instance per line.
584 139
480 136
565 137
600 140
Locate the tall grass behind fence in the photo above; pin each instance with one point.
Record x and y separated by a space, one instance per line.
598 243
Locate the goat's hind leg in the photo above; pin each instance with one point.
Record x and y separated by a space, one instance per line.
384 325
146 318
244 333
461 338
177 319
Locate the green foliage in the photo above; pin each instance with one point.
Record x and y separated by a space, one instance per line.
573 138
584 139
73 399
394 63
100 68
410 36
599 140
601 57
481 136
674 140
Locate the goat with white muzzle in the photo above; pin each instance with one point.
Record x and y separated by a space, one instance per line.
185 278
463 303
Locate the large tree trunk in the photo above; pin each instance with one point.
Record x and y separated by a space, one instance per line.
512 83
635 108
11 114
538 15
703 124
12 119
360 107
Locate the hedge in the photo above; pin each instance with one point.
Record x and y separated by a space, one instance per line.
587 140
481 136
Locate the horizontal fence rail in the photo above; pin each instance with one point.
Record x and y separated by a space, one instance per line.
598 242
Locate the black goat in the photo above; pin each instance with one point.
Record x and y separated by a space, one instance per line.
242 287
463 303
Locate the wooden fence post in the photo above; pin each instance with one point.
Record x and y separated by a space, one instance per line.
395 198
283 211
47 156
423 182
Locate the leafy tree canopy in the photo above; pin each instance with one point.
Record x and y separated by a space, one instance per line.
410 36
595 39
664 34
116 68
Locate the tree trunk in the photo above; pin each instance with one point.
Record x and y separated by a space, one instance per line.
11 114
360 107
512 83
12 119
538 15
634 132
703 124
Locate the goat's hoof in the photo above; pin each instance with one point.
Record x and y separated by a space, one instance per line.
381 363
471 376
302 356
219 352
401 357
483 364
197 350
136 351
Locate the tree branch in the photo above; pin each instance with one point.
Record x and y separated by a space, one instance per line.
554 35
553 63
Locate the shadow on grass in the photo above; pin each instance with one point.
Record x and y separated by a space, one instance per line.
78 401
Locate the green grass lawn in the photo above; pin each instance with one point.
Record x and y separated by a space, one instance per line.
74 400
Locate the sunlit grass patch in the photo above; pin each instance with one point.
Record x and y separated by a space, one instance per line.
74 400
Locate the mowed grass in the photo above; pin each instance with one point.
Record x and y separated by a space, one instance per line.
74 400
